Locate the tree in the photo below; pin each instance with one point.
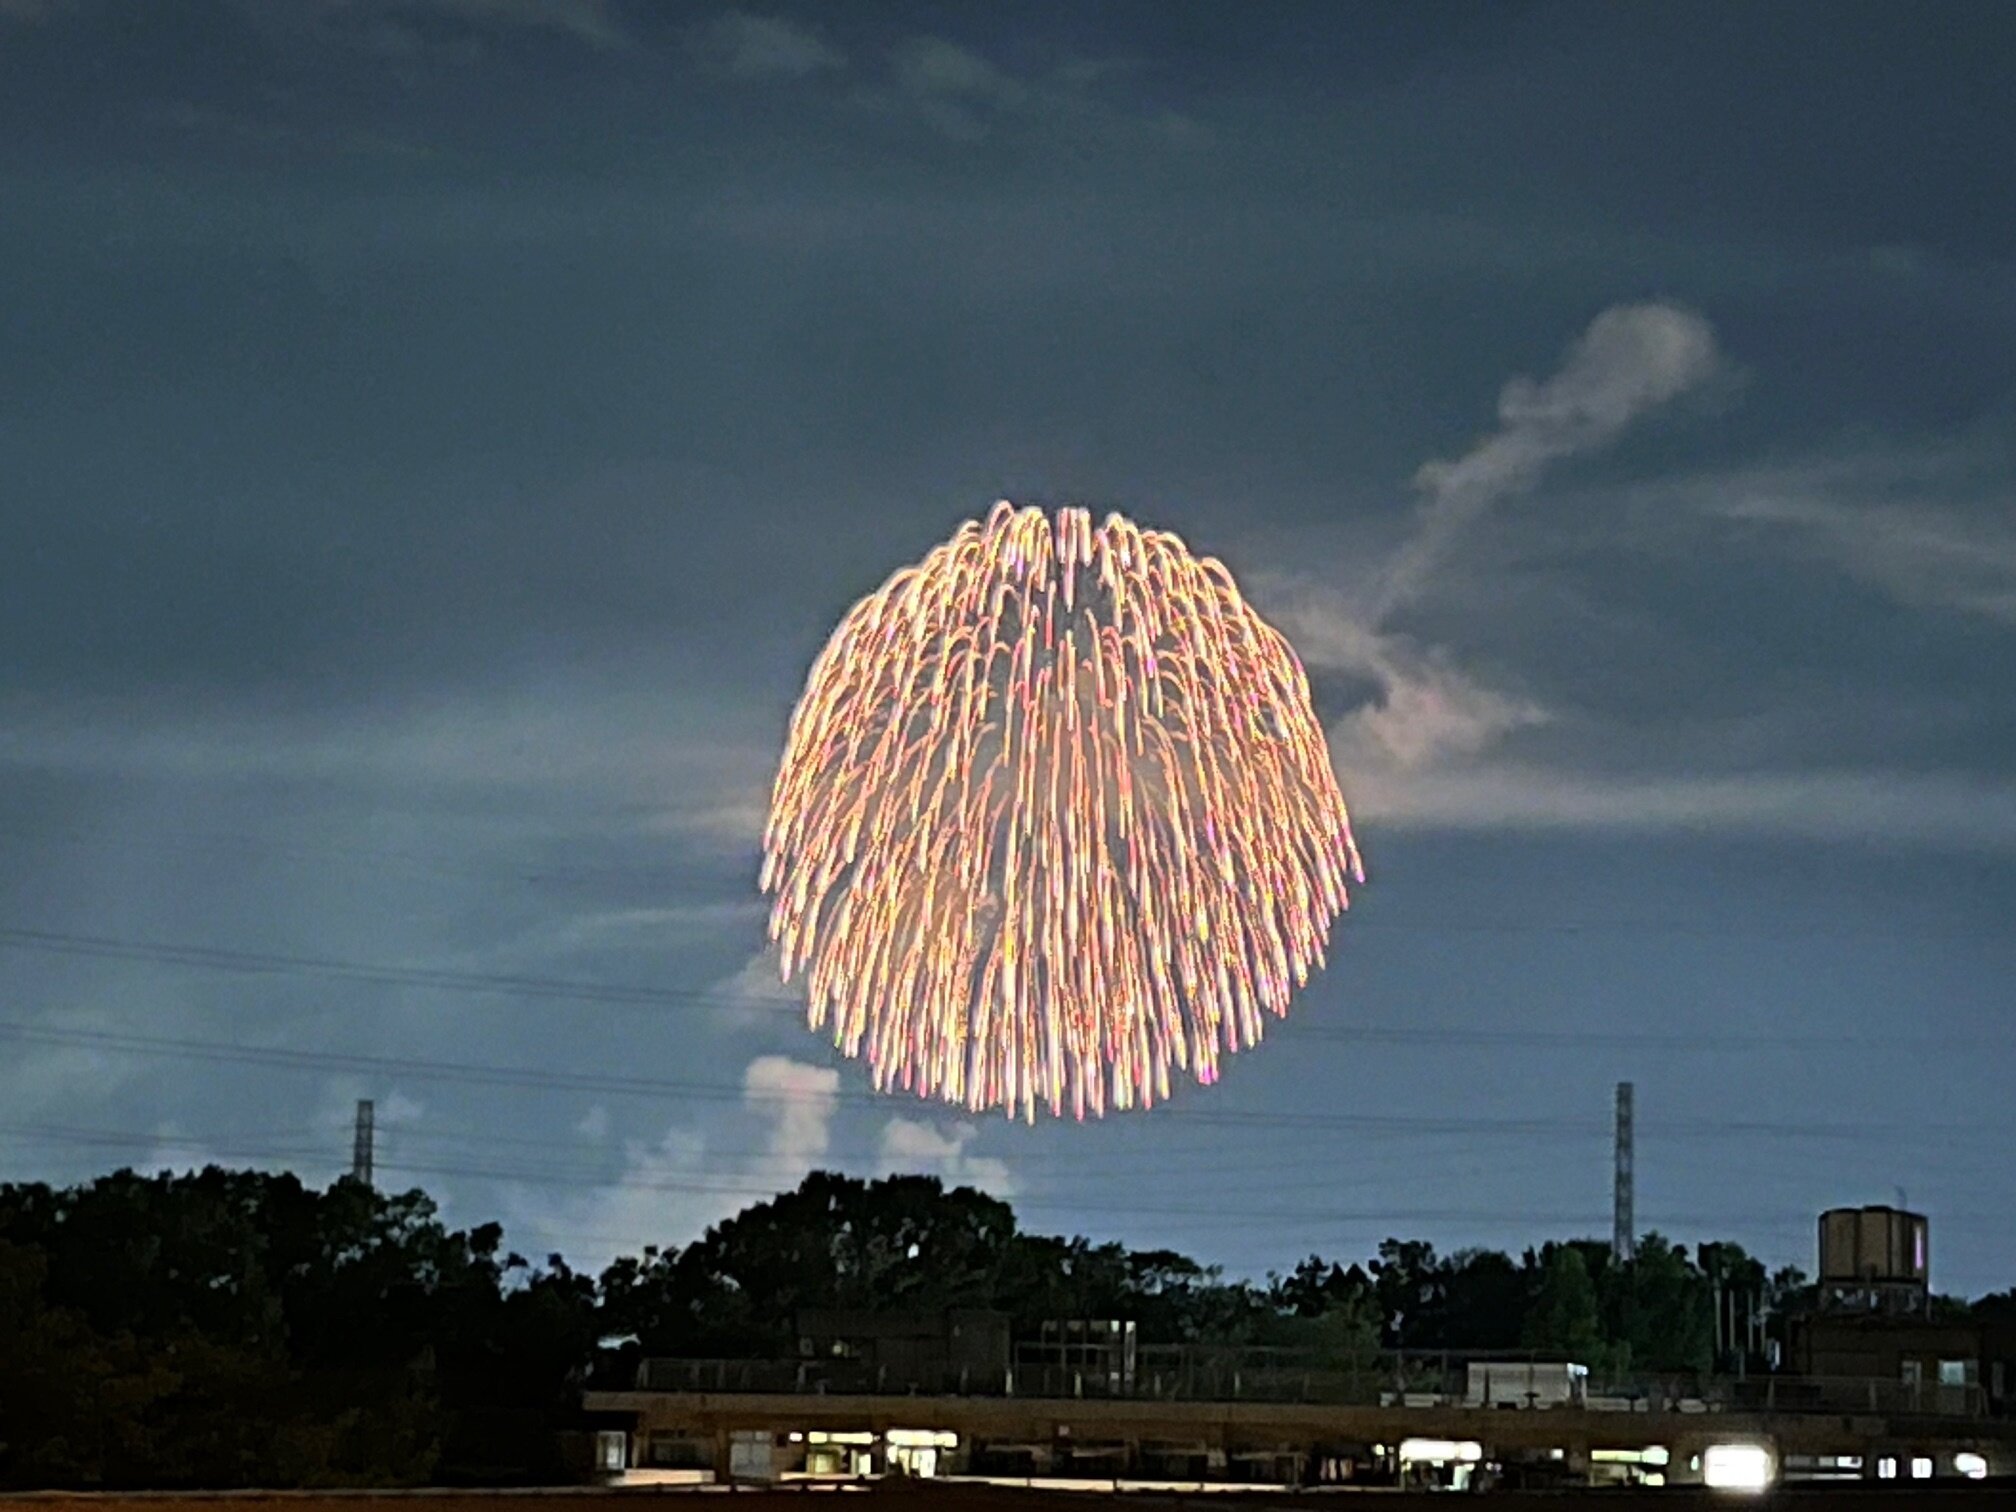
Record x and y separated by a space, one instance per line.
1659 1307
1483 1301
71 1403
1564 1318
1407 1280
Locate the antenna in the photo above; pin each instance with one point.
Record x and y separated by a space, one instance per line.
361 1145
1623 1223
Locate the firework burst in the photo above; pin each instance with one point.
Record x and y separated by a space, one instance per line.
1055 816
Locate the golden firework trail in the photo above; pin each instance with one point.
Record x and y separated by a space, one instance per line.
1055 815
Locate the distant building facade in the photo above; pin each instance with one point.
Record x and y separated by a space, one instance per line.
959 1350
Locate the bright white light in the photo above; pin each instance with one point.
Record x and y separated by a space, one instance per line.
1736 1467
1921 1468
1973 1466
1886 1468
922 1438
1417 1451
1656 1455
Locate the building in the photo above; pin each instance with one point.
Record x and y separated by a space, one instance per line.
1874 1260
1905 1365
1878 1387
956 1351
1872 1342
718 1437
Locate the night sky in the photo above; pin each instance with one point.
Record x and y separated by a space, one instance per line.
436 436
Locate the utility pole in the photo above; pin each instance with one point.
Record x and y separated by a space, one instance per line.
361 1144
1623 1223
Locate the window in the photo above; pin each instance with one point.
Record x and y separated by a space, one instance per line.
1921 1468
1736 1467
612 1450
676 1451
1956 1372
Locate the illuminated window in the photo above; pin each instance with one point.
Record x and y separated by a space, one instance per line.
922 1438
1956 1372
1921 1468
1736 1467
1440 1451
1972 1466
1886 1468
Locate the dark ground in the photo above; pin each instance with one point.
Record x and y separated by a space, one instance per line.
932 1496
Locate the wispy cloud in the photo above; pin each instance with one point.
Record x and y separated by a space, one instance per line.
965 95
622 925
744 45
1631 360
1424 712
405 29
591 21
620 743
755 993
1879 808
1424 709
29 12
933 68
1924 555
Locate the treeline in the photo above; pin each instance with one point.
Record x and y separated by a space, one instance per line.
905 1244
235 1328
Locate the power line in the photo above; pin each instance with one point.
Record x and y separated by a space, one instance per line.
525 869
1216 1214
214 958
549 1079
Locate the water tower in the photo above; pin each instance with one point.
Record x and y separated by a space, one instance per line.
1874 1260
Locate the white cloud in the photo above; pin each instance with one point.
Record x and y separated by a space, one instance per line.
43 1078
672 1190
1923 555
1879 808
801 1099
733 820
912 1147
747 46
928 66
1631 360
756 993
964 95
1426 710
605 739
175 1151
